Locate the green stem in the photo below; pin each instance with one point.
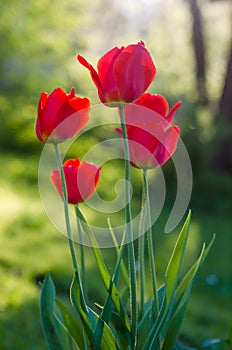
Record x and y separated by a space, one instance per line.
142 277
151 247
82 257
128 216
68 226
66 210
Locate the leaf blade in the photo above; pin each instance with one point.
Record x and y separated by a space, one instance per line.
57 335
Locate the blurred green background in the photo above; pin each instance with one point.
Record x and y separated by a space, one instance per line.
190 42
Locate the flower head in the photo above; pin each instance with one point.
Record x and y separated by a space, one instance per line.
152 137
81 180
60 115
123 74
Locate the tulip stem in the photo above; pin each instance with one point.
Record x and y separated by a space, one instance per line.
66 210
150 246
68 226
82 256
142 279
128 217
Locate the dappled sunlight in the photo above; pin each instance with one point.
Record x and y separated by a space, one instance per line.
15 290
14 205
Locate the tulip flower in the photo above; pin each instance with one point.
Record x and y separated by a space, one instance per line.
81 180
60 115
123 74
152 137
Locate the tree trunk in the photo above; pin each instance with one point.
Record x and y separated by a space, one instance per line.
225 106
223 157
199 51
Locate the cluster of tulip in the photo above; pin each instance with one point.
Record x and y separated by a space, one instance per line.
150 139
123 76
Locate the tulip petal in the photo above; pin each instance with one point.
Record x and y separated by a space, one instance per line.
54 102
81 180
167 145
119 130
72 117
72 162
134 71
42 102
56 180
143 137
105 68
60 115
87 179
156 103
173 111
72 93
94 76
152 138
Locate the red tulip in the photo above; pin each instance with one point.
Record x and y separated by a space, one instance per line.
81 180
122 75
60 115
152 137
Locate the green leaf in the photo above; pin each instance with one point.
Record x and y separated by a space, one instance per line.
146 323
106 337
124 336
74 326
144 327
174 265
125 295
109 284
171 279
123 267
191 273
103 340
107 308
57 335
182 301
181 298
156 328
88 320
106 312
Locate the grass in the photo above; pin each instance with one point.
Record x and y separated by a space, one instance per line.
31 246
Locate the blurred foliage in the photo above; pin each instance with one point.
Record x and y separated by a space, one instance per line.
41 41
39 44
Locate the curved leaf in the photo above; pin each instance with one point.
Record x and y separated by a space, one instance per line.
177 318
57 335
74 326
174 265
106 340
171 279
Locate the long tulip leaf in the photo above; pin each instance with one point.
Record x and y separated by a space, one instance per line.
177 318
74 325
191 272
106 339
171 279
173 269
57 335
